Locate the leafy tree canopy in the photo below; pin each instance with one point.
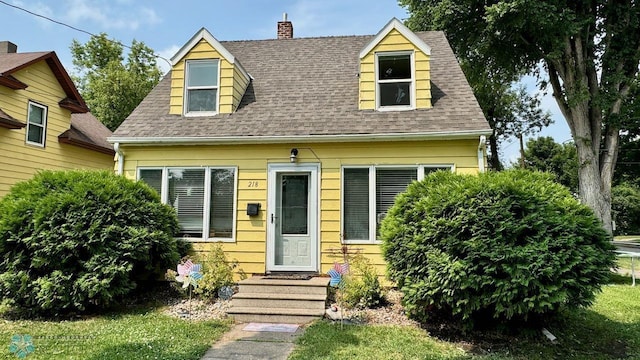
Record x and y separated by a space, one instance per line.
111 86
544 154
589 50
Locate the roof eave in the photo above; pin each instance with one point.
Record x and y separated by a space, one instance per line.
11 82
64 138
73 106
225 140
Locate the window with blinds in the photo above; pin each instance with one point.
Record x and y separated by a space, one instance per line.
390 183
369 192
204 198
356 203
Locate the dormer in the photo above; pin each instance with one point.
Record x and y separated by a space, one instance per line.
206 79
395 71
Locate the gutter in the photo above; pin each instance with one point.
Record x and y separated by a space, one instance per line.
226 140
120 160
482 148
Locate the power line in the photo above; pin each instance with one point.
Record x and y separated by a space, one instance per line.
72 27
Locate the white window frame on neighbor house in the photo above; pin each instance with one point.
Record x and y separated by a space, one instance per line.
206 226
31 124
411 81
372 187
188 88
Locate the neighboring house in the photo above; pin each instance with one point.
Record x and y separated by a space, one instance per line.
283 150
44 122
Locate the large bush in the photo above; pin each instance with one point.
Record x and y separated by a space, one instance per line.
505 245
73 240
625 208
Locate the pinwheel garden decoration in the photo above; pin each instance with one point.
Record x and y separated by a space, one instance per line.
336 273
189 274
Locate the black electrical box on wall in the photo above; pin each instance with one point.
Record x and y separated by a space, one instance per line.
253 209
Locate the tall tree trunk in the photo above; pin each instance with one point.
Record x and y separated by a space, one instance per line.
494 160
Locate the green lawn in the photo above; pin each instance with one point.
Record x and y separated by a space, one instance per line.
610 329
138 334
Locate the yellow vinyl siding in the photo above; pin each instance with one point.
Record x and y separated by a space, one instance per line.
395 41
252 161
231 84
20 161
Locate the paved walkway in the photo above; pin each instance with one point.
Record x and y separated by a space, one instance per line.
253 345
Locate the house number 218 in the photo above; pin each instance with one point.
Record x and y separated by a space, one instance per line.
253 184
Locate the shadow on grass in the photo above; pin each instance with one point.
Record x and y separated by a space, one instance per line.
606 331
149 350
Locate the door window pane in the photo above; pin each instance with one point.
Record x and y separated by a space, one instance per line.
221 212
295 202
356 204
186 195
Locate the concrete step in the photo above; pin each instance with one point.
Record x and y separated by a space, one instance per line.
259 284
262 299
280 300
275 315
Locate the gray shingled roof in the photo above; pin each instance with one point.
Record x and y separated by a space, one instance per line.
309 86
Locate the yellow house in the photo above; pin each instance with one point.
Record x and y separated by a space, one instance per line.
44 122
287 151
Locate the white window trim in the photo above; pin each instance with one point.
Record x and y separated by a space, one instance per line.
372 195
164 196
45 114
412 90
185 98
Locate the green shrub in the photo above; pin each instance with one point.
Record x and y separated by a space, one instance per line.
505 245
217 272
72 241
625 208
361 288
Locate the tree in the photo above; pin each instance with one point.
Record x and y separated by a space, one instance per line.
544 154
509 111
589 51
113 88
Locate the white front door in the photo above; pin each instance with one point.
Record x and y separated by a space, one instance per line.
292 242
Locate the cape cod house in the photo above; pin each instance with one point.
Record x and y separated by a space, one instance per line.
284 150
44 122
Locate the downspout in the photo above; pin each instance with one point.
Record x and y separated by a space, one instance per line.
482 148
120 160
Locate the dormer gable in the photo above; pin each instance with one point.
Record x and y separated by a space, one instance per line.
395 70
206 79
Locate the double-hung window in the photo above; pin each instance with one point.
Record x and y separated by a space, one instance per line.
369 191
201 87
395 81
204 199
36 124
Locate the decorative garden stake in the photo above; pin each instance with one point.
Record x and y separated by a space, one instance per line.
336 274
189 274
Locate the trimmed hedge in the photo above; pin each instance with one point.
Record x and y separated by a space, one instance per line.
504 245
71 241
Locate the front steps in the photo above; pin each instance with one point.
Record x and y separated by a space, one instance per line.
261 299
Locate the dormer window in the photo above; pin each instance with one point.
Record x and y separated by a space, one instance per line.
395 81
201 87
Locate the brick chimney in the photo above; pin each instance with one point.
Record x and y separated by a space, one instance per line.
285 28
7 47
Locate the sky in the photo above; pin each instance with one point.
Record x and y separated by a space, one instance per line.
165 26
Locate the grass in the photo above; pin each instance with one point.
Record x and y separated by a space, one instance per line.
609 329
143 333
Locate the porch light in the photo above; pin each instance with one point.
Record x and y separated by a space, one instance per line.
294 155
